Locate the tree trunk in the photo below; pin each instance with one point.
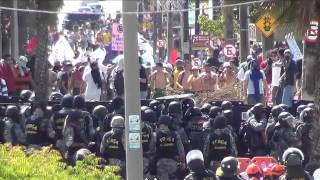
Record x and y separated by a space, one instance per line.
228 25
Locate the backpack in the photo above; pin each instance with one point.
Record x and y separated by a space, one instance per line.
251 139
119 82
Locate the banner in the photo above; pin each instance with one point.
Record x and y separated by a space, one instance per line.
61 51
295 50
117 37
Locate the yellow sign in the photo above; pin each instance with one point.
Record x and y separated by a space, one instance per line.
267 24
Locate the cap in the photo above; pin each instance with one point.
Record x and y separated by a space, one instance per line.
287 51
194 154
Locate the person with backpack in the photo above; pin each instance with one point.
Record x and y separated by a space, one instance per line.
218 144
253 133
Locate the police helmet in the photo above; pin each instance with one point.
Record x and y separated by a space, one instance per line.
56 96
300 108
117 122
194 155
187 103
143 108
81 154
284 107
100 111
258 109
117 103
293 157
156 105
226 105
78 102
307 115
195 111
215 111
25 95
165 120
67 101
285 118
219 122
229 166
12 111
205 109
275 111
311 105
228 114
175 107
148 115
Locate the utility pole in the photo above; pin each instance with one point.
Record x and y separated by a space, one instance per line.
244 33
15 35
185 37
134 160
155 29
0 35
169 32
228 25
197 13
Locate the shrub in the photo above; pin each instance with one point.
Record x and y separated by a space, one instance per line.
47 164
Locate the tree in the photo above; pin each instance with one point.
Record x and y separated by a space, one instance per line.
41 62
212 27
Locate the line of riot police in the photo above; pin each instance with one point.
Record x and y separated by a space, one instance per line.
168 133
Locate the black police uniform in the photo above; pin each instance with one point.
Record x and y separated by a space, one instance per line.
34 134
166 145
114 147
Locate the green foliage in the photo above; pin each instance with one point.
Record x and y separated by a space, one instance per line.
47 164
212 27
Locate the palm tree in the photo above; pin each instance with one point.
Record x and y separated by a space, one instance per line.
41 62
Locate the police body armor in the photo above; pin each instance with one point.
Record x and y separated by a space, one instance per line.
59 119
79 137
146 132
166 145
33 133
220 146
9 132
195 132
114 146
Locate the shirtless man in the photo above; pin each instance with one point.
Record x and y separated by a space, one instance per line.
210 79
159 80
182 82
227 78
195 81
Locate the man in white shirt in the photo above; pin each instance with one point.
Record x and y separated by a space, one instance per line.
275 82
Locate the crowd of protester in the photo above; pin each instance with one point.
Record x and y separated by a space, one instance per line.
179 139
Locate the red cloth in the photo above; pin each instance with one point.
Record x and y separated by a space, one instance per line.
6 73
260 58
32 44
173 56
23 82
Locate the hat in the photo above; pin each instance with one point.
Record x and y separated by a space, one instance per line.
226 64
287 51
193 155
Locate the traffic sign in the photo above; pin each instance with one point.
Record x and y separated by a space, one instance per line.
229 51
267 24
312 32
200 42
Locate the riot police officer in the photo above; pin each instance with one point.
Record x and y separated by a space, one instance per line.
112 146
205 109
175 112
226 105
229 168
36 125
300 108
157 107
194 128
293 158
196 166
273 120
170 153
213 113
86 119
304 130
186 104
148 117
74 135
57 121
12 128
219 144
284 135
100 122
25 95
256 125
118 110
